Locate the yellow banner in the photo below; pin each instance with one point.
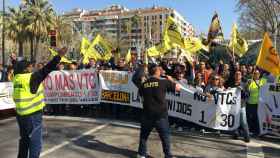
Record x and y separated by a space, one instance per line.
193 45
172 33
100 49
85 44
268 58
237 44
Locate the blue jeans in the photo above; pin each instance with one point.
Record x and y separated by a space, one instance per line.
243 124
162 127
30 129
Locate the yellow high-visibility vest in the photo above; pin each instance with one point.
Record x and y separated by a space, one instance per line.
26 102
254 90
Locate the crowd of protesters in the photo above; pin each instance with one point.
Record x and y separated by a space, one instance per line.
200 75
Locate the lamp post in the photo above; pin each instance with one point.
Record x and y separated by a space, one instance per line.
3 34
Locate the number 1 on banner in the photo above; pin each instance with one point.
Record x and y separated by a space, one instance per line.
202 117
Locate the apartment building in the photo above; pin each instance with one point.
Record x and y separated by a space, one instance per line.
128 28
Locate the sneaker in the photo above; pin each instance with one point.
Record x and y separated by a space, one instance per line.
139 156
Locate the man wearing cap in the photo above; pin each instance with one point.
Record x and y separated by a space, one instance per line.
29 99
155 111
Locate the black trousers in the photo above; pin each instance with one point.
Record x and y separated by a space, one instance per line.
162 127
252 118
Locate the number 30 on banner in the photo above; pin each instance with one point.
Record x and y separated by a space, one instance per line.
227 120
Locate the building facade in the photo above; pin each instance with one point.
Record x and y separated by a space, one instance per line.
137 28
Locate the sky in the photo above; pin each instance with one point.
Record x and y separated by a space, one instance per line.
196 12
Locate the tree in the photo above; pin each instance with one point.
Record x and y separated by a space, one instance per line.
41 16
16 27
64 29
259 16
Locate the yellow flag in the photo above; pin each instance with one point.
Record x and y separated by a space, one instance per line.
158 49
237 44
172 33
215 29
153 52
85 59
63 59
193 45
128 56
100 49
85 44
268 58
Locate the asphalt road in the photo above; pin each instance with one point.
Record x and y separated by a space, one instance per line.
66 137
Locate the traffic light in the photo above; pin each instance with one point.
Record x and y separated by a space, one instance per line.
52 35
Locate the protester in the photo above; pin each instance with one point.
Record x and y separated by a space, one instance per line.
253 88
244 129
10 74
28 96
204 72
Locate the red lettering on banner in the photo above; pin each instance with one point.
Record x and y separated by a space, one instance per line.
58 81
65 84
91 80
87 80
80 80
71 82
48 83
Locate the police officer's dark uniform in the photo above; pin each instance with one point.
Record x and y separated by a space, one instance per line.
155 113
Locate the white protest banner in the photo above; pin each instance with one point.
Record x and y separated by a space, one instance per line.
221 112
269 109
115 87
72 87
6 99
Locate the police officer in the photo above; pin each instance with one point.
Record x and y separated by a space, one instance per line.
155 111
29 99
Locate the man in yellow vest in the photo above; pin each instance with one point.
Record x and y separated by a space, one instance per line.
29 99
253 88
